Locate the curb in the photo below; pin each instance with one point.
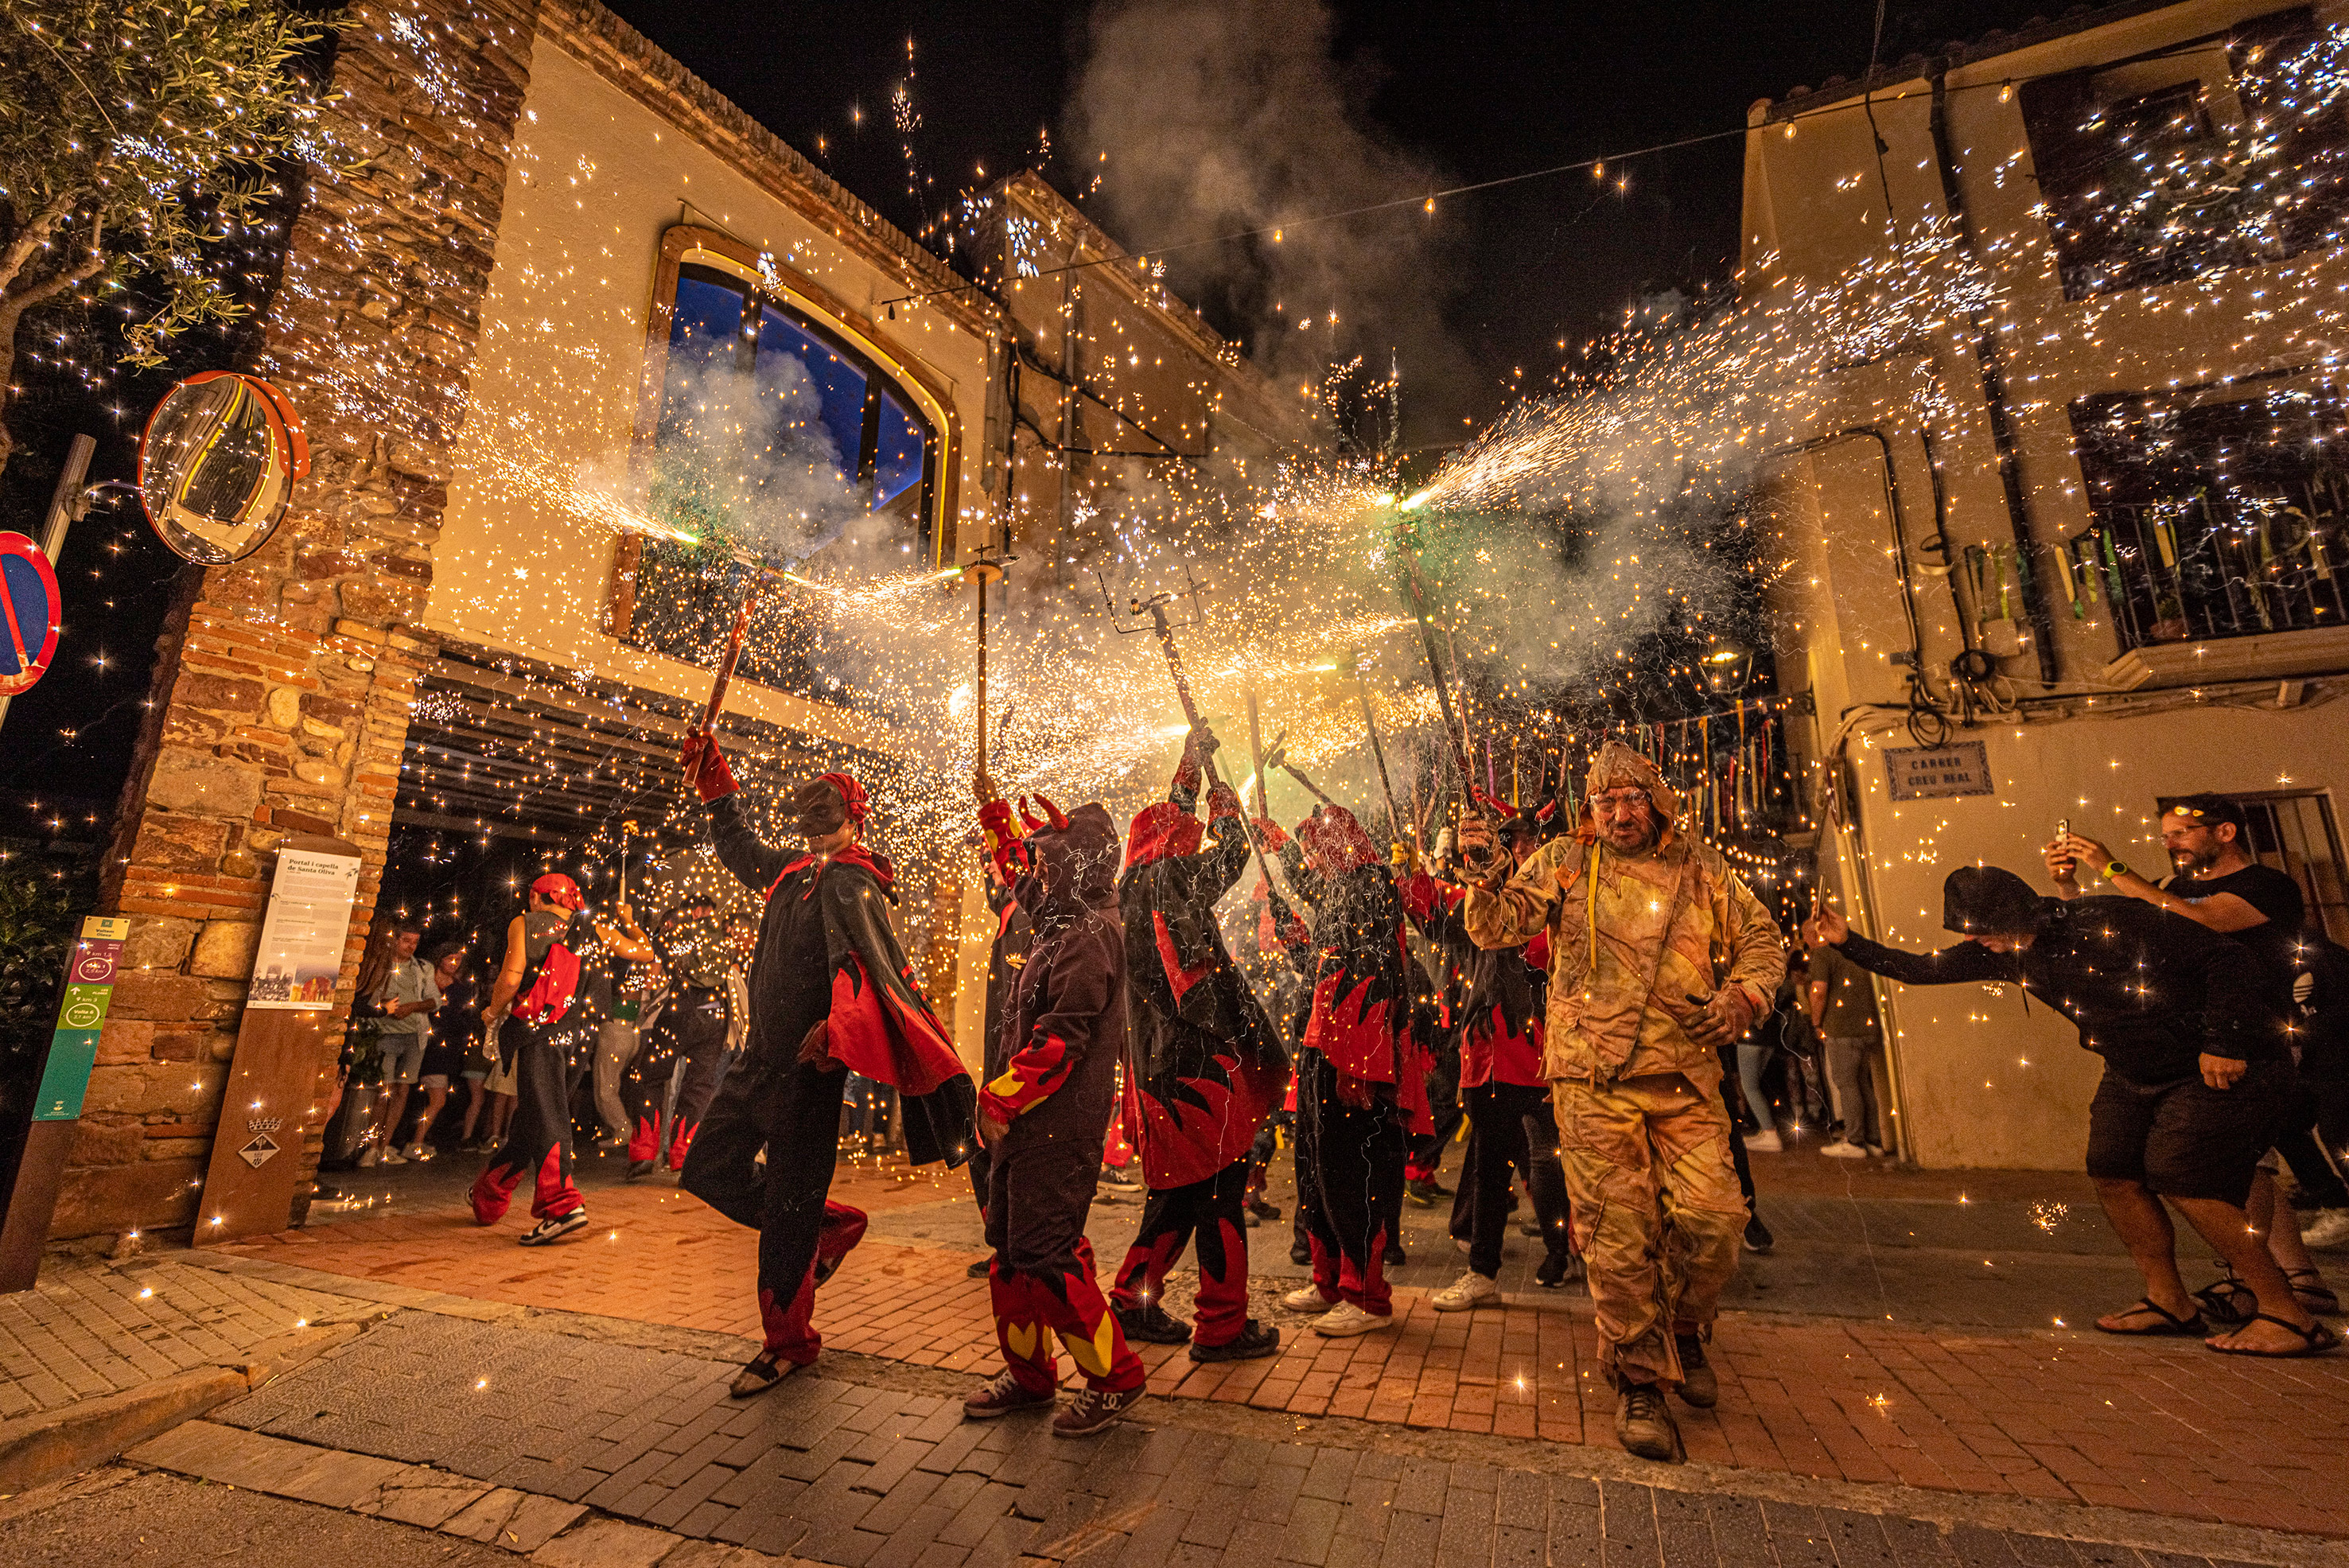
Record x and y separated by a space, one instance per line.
35 1450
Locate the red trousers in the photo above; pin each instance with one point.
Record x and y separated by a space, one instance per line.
1210 1211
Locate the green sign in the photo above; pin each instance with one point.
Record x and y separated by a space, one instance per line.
72 1054
84 1006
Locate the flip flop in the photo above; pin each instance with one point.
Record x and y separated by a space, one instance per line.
2228 1301
2314 1340
2170 1324
2315 1295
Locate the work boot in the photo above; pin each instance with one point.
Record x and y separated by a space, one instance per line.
1253 1340
1151 1324
1644 1423
640 1168
1298 1252
979 1270
1262 1210
1423 1193
1700 1385
1396 1257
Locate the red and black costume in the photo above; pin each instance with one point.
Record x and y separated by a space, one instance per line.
549 1040
1203 1068
1063 1031
1496 1021
1003 958
1361 1077
826 960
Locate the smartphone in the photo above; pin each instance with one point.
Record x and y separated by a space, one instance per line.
2063 829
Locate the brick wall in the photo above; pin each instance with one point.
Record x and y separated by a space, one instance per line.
287 707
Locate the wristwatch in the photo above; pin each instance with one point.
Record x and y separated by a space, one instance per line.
2115 868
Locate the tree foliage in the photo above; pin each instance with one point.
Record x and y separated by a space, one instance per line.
137 137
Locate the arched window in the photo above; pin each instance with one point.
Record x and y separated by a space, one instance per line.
776 437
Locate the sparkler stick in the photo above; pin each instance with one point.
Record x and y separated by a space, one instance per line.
1255 755
1378 755
983 572
1417 591
725 678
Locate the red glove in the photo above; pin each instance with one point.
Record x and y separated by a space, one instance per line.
715 780
1005 846
1268 835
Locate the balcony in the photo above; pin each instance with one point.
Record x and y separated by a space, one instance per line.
2216 522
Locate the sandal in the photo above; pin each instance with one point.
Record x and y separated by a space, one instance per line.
2308 1288
2314 1340
2227 1301
2170 1324
760 1373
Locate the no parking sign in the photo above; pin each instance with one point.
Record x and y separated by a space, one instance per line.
29 614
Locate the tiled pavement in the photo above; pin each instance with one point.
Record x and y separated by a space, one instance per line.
90 1328
2057 1415
862 1476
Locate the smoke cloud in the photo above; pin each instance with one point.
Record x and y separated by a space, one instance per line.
1203 118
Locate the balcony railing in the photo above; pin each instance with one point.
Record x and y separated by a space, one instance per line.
2192 569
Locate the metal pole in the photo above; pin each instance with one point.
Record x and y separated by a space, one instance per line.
64 508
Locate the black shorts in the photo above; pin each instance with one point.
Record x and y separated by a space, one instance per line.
2184 1138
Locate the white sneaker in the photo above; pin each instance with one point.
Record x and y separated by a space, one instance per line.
1879 1151
1842 1148
1470 1289
1346 1320
555 1230
418 1153
391 1156
368 1159
2326 1227
1310 1299
1766 1141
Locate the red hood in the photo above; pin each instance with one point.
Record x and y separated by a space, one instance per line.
1335 842
1161 832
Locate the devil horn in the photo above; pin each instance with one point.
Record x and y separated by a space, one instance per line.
1027 816
1059 822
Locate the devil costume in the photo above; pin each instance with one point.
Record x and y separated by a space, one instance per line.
830 990
1496 1021
1204 1067
1361 1078
548 1034
1063 1030
692 1030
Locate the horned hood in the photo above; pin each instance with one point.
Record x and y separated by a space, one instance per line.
1071 868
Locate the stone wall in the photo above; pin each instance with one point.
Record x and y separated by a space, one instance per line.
286 709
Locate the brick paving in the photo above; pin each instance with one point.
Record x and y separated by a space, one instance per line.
90 1328
2058 1415
859 1476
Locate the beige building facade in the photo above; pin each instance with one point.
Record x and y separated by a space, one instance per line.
478 617
2079 544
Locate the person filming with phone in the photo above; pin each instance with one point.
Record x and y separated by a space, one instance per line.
2197 1077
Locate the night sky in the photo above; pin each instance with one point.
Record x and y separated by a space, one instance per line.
1475 92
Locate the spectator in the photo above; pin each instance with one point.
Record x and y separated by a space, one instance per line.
449 1027
2218 884
490 1082
405 998
2196 1077
2320 996
1842 1008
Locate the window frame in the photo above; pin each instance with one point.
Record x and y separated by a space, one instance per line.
767 281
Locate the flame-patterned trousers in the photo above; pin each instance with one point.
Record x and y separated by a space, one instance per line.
1042 1282
1208 1215
1657 1212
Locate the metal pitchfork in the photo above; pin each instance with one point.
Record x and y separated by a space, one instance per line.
1154 607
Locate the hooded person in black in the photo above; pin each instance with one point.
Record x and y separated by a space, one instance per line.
2196 1074
1361 1077
1045 1117
1203 1070
831 991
